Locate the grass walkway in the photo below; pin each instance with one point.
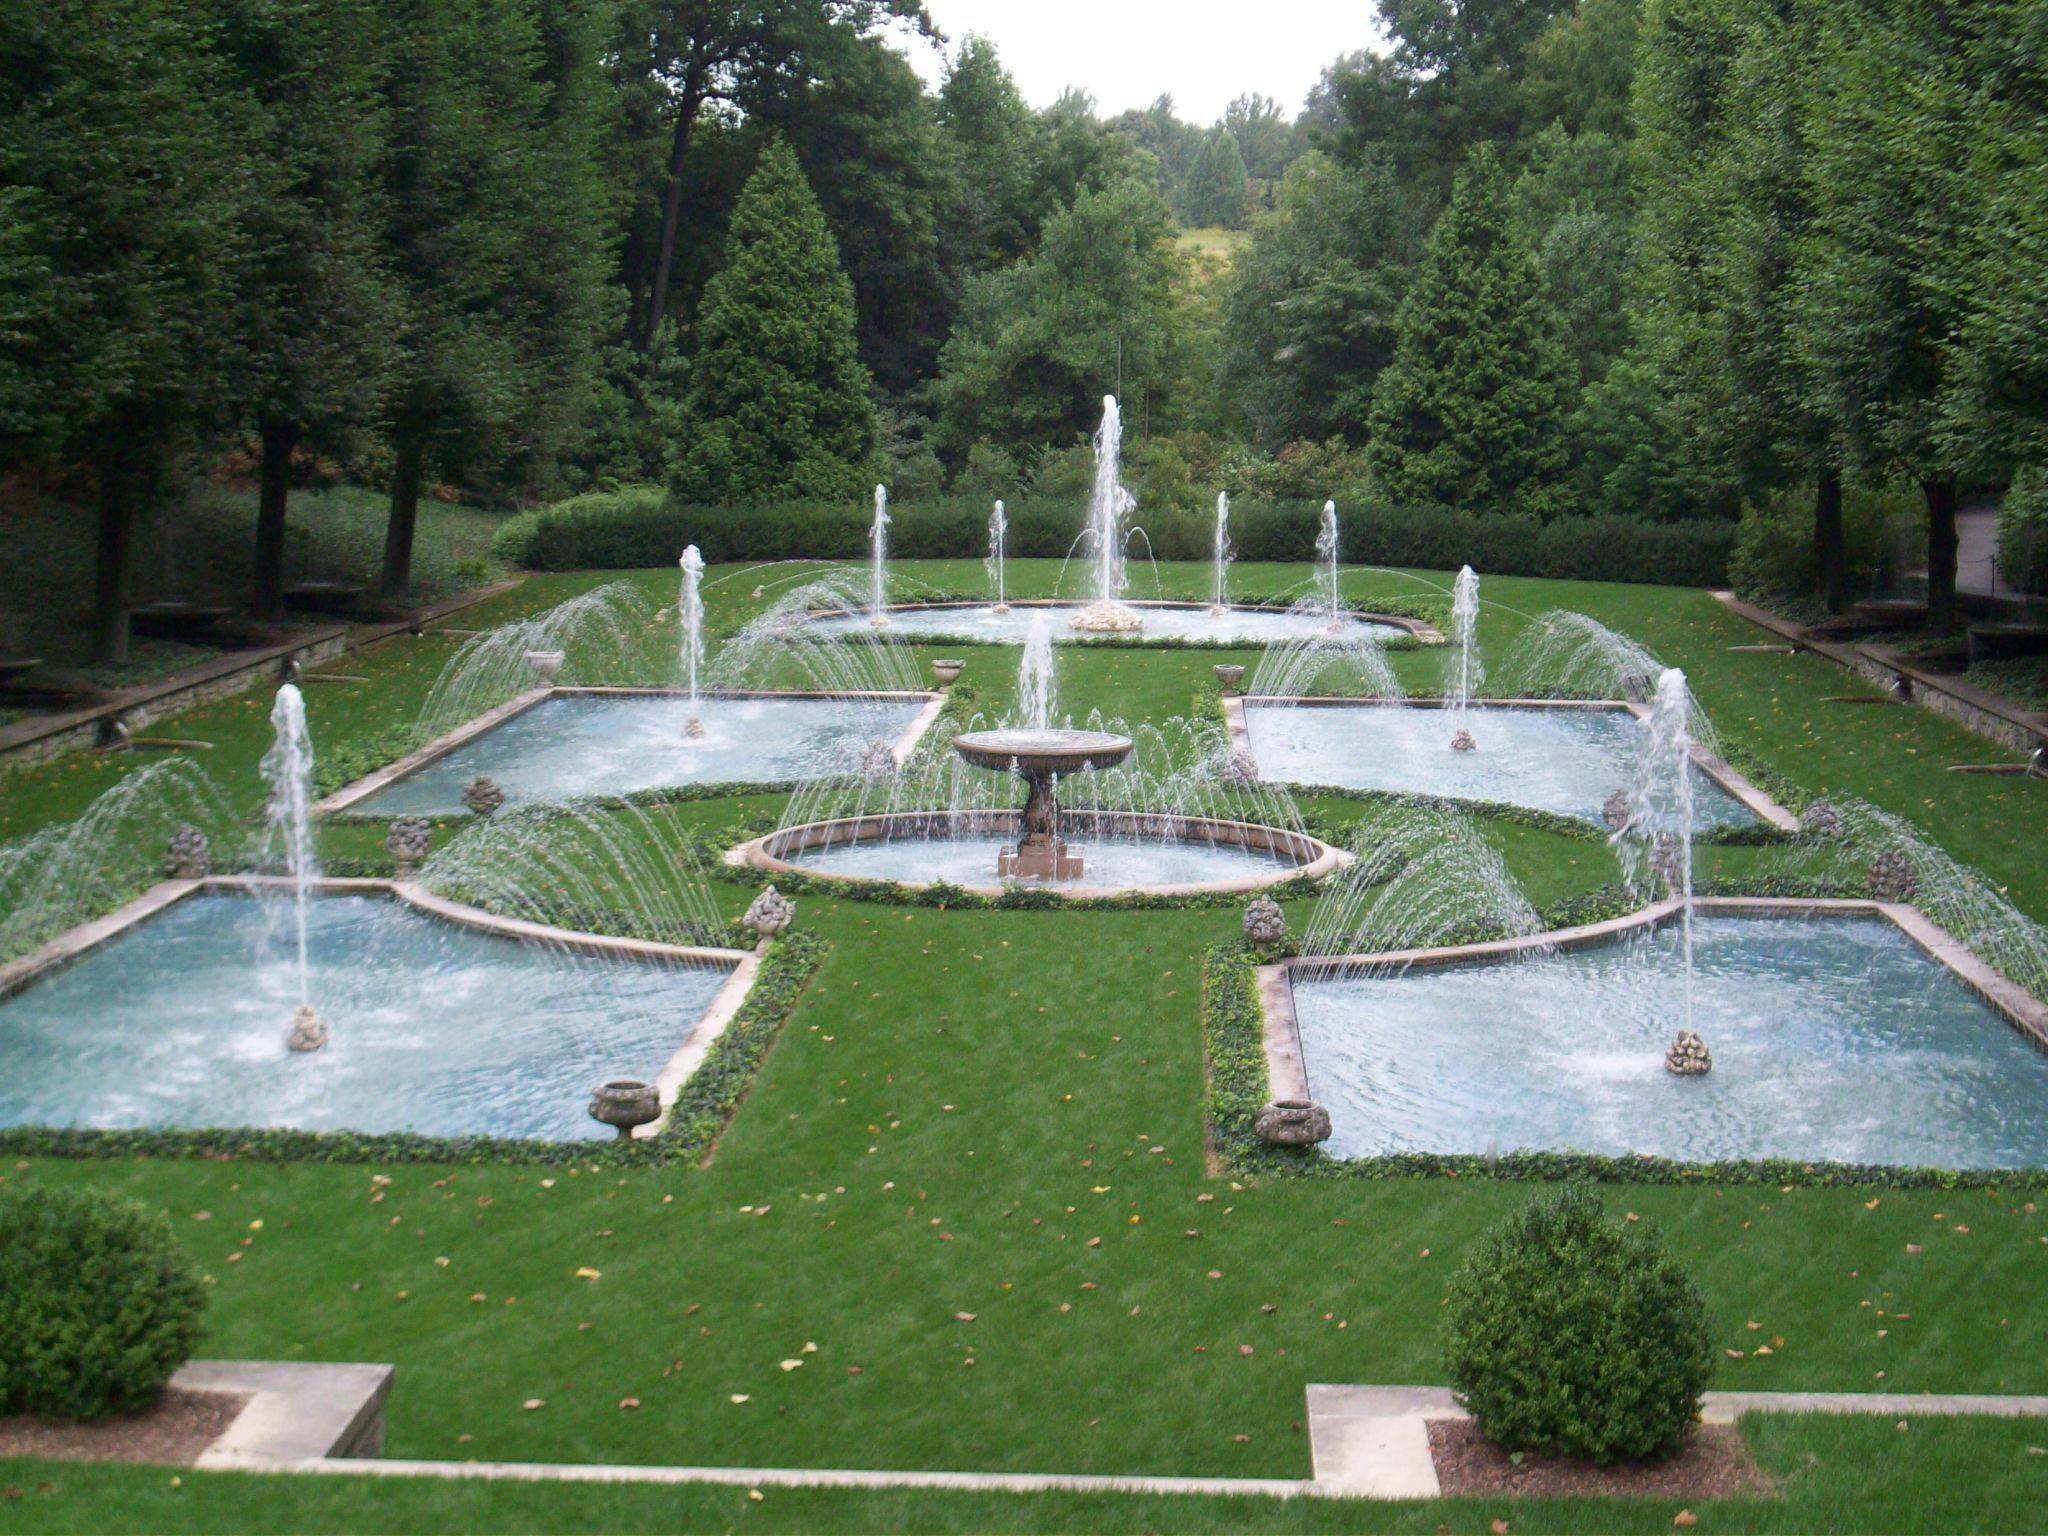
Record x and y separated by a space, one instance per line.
961 1118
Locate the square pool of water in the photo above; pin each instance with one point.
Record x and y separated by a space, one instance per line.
573 744
1566 761
1833 1038
434 1028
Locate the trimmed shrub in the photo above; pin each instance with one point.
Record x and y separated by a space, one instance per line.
1569 1334
98 1303
640 528
2023 531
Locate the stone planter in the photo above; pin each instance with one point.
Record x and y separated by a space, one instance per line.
1293 1123
1230 675
624 1103
947 671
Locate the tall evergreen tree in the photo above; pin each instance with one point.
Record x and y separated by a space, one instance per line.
1214 194
995 139
1471 411
779 403
125 177
314 310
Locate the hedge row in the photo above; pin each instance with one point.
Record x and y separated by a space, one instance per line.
644 528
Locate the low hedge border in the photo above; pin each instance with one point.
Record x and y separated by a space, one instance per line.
701 1112
1233 1032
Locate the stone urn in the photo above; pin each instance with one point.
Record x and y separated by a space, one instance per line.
1821 820
1617 808
188 855
946 670
1238 767
624 1103
1229 674
1688 1055
1667 858
407 842
547 666
769 913
1265 925
1637 687
1890 877
1462 741
305 1030
482 795
1292 1123
758 593
877 760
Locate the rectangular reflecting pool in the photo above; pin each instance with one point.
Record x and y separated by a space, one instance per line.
1833 1038
435 1028
614 744
1566 761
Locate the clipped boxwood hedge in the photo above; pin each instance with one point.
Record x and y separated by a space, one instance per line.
98 1303
644 527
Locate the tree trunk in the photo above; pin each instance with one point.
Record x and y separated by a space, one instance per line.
1941 554
115 575
1830 555
405 517
671 212
274 483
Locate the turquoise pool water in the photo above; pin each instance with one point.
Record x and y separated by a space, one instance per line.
1833 1038
180 1021
981 622
1133 864
588 744
1567 761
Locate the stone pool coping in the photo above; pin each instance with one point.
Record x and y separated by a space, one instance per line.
1426 633
1731 779
1287 1075
703 1033
296 1410
369 784
1319 858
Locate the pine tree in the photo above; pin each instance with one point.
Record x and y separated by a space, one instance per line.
1471 412
1215 189
779 404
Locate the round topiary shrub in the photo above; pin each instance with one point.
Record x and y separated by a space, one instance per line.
98 1303
1568 1334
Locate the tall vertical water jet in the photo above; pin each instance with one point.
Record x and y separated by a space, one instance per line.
288 826
1036 690
878 537
692 611
1219 596
1108 504
1658 827
1463 663
1326 564
998 531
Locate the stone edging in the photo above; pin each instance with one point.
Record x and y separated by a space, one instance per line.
1373 1442
703 1033
1287 1075
768 853
351 794
297 1410
1731 779
42 738
1975 709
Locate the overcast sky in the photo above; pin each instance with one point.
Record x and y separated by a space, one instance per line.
1127 52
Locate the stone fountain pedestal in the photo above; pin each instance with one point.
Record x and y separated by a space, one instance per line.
1041 759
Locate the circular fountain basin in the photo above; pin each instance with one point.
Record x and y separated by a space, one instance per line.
1025 751
1010 624
1124 851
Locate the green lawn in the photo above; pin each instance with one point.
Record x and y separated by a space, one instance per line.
963 1104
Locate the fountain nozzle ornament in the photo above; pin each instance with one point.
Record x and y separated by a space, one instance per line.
1688 1055
407 842
1463 742
188 857
1265 924
769 913
482 795
305 1030
693 728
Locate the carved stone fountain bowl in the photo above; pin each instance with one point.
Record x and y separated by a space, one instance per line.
1042 752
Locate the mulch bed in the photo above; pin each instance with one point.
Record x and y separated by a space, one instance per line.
1713 1463
172 1433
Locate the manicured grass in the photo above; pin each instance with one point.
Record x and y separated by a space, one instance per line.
961 1117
